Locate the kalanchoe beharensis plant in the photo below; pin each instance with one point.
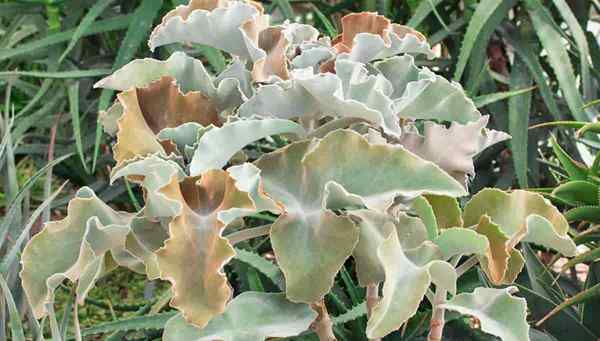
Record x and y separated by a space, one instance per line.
371 152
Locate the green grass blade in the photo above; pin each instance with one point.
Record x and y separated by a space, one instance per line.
73 92
518 120
423 10
16 8
270 270
13 208
582 45
59 74
526 52
558 58
286 9
85 24
54 328
16 327
112 24
482 24
329 28
214 57
357 311
12 254
584 296
484 100
139 26
157 321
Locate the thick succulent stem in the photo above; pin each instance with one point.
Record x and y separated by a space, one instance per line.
372 300
323 325
437 318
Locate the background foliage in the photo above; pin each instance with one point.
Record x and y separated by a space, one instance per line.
530 64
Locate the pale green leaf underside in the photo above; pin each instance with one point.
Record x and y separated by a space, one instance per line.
500 313
226 31
251 316
216 146
549 227
296 177
75 248
461 241
404 287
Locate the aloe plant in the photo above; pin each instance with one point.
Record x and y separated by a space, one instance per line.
367 155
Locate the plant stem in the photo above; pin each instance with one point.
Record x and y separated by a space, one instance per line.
240 236
372 300
323 325
468 264
437 318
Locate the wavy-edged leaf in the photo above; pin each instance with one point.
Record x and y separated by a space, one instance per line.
234 27
227 90
513 213
446 210
460 241
405 286
146 111
296 178
453 148
500 313
87 236
501 262
375 227
423 209
367 36
216 146
418 93
350 93
251 316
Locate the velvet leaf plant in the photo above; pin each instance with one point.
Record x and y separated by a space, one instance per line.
371 153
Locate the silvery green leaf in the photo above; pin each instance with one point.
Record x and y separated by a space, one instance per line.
500 313
523 214
228 90
368 47
399 71
251 316
353 93
183 135
279 43
81 248
311 242
109 118
453 148
434 97
188 72
374 227
216 146
460 241
404 287
312 55
234 27
148 110
367 36
154 173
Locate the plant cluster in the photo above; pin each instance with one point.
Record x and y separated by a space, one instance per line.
351 149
